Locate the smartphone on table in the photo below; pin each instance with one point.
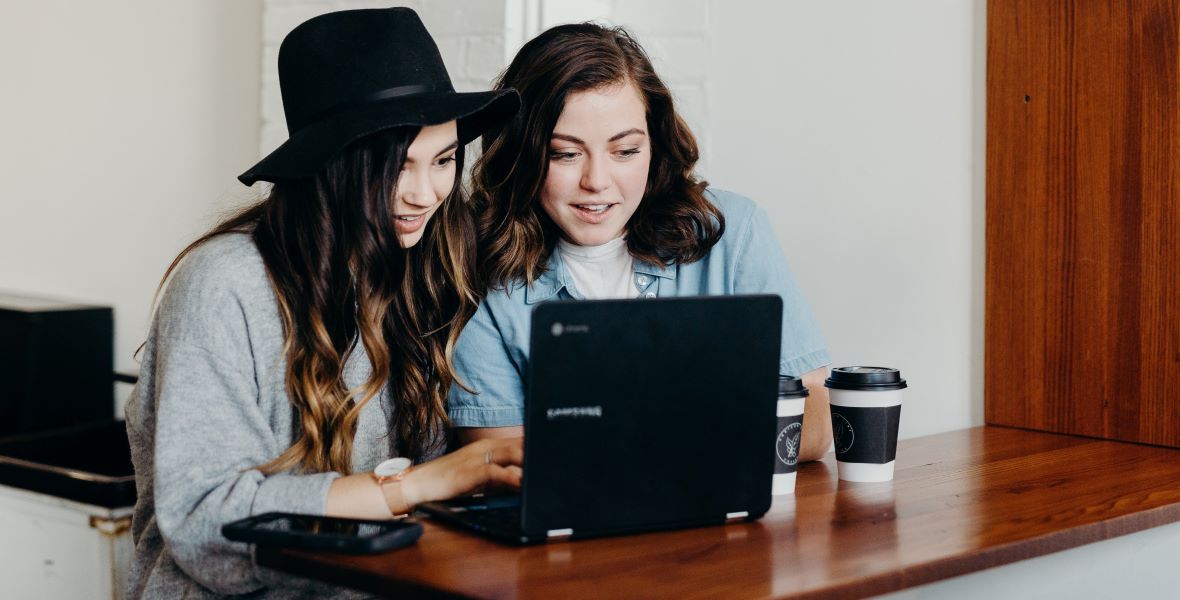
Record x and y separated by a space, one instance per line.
353 536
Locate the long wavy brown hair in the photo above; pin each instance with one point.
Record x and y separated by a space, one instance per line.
675 222
342 279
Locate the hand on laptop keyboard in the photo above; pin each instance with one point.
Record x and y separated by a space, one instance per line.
485 464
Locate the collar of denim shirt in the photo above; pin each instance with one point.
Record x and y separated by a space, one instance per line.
557 278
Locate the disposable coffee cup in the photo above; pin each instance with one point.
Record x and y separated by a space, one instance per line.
792 396
866 411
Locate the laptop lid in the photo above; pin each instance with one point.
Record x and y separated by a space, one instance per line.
649 414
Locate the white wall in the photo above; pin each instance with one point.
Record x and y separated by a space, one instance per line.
855 125
125 123
858 126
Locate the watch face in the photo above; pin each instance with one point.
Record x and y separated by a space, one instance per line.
392 466
787 444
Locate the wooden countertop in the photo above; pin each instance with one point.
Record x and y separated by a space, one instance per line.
960 502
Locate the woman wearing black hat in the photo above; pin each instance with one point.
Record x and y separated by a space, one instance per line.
589 192
302 343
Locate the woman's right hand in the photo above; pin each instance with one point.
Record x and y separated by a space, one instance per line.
487 462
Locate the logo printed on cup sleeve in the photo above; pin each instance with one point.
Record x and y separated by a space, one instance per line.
842 433
786 447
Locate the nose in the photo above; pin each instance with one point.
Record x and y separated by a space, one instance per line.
414 188
596 175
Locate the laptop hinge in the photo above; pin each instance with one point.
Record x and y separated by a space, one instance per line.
736 516
557 534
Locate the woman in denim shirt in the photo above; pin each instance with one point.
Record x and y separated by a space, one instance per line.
588 192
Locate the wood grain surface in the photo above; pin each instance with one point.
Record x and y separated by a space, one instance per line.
1082 329
961 502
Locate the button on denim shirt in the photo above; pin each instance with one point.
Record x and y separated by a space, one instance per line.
492 355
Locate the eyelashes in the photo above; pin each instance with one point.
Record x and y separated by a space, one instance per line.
563 156
569 157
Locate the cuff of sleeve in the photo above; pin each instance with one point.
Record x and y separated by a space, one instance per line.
486 417
302 494
802 364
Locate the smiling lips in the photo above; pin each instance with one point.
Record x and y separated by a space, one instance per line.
592 213
409 223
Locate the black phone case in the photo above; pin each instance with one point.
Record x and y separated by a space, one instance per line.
246 530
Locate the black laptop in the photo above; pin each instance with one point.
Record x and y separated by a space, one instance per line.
640 415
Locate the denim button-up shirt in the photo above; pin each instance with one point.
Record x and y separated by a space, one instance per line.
492 354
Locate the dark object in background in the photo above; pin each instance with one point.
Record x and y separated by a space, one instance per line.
87 463
352 536
56 359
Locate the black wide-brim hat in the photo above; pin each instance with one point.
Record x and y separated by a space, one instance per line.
349 74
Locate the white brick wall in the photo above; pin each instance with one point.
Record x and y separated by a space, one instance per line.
665 17
556 12
477 38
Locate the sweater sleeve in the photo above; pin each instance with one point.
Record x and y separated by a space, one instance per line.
211 433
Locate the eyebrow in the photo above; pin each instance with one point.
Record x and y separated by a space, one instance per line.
454 144
614 138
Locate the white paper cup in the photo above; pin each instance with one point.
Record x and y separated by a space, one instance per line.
786 445
865 421
791 400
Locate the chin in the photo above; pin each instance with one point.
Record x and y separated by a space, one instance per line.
409 241
595 237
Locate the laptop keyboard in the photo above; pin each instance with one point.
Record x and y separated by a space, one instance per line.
495 515
496 521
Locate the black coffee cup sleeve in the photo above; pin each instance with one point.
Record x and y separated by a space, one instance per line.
865 434
787 444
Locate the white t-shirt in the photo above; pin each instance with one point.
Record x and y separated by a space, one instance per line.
600 271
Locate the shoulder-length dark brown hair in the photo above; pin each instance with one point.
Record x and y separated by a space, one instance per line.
675 223
344 284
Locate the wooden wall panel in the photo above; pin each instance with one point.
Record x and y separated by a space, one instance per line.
1082 329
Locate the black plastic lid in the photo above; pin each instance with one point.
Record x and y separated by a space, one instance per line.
873 379
790 386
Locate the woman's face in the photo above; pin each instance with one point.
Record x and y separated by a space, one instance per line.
599 155
425 180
